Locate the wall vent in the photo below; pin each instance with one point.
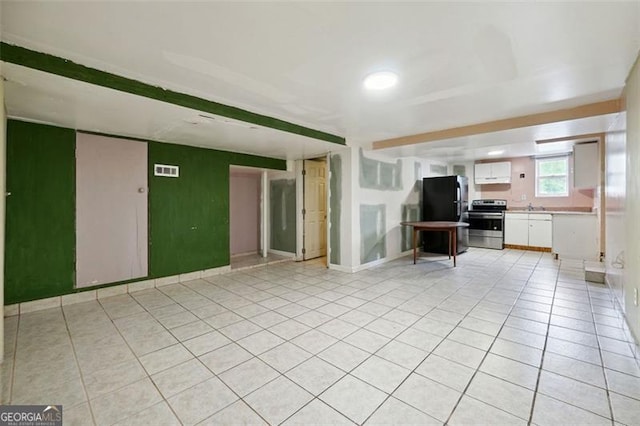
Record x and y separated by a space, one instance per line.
166 170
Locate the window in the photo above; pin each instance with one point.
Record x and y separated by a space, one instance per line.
552 176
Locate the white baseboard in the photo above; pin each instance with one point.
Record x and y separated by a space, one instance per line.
629 335
341 268
282 253
353 269
216 271
114 290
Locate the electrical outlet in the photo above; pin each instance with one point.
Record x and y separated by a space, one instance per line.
523 197
635 297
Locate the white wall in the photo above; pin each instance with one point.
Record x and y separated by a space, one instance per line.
615 193
632 202
391 199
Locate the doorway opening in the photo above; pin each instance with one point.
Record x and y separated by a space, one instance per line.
249 226
244 215
314 211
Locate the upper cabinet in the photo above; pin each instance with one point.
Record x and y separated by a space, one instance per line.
586 169
493 172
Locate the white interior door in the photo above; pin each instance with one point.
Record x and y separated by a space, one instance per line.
111 210
315 209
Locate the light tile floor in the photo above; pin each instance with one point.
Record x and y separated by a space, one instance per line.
507 337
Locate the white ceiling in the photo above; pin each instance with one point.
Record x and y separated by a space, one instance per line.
512 143
47 98
459 63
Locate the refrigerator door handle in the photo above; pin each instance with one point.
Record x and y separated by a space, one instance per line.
458 202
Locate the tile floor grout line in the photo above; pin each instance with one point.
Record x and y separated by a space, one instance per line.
75 357
196 357
313 355
442 340
413 371
604 371
376 291
544 348
15 360
148 376
477 369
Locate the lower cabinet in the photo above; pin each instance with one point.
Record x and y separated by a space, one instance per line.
528 229
516 229
540 230
576 236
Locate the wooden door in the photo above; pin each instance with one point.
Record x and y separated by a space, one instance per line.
315 209
111 210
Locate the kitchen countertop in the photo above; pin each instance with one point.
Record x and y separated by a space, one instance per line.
562 212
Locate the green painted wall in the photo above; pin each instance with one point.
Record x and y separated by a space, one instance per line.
40 222
188 216
282 200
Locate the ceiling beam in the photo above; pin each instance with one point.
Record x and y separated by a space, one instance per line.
63 67
574 138
582 111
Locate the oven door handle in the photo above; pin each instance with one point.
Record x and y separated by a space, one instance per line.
485 215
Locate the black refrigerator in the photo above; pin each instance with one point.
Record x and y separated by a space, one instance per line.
445 198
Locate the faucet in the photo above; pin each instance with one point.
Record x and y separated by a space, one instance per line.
531 208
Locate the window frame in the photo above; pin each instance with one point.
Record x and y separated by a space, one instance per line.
564 157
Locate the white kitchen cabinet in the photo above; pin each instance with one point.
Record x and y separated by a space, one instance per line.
576 236
586 167
482 170
516 229
529 230
540 230
488 173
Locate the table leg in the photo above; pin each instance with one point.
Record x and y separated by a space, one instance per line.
455 243
449 245
415 231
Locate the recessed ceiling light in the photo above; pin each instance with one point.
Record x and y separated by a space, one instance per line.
381 80
495 152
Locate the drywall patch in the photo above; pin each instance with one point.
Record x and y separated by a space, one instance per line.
459 169
375 174
417 176
282 202
373 240
410 213
438 169
335 203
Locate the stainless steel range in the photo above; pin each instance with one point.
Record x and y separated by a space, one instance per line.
486 223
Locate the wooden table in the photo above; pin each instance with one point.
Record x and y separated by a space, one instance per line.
451 227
